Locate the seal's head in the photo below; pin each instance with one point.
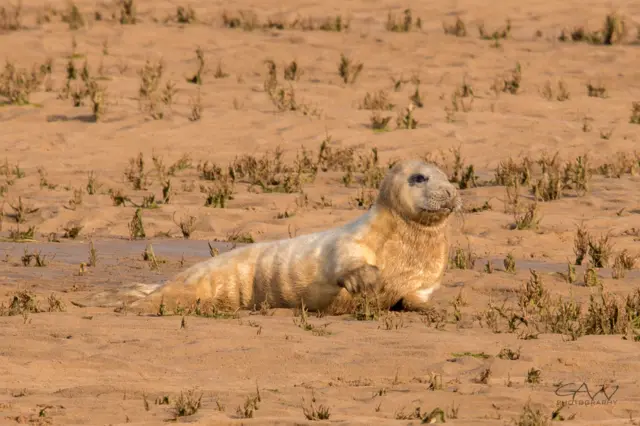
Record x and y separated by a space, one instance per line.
419 192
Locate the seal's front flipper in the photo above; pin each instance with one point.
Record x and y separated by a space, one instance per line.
365 279
416 301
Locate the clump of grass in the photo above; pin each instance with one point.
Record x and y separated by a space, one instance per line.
136 226
72 231
613 31
284 98
550 185
240 237
461 258
405 119
16 235
562 93
219 72
533 376
379 100
379 123
635 113
531 417
622 263
148 255
88 89
22 302
11 17
313 412
73 17
510 173
302 320
363 200
21 210
292 71
530 219
596 90
509 264
403 23
217 194
187 225
497 34
251 404
600 250
581 244
187 404
416 98
185 15
136 173
127 12
458 28
348 69
196 107
150 75
510 354
270 174
93 255
244 19
509 84
17 84
39 258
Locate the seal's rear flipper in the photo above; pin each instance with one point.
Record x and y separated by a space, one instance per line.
117 297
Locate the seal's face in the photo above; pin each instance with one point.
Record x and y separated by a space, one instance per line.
420 192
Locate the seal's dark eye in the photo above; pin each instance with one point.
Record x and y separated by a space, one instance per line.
418 178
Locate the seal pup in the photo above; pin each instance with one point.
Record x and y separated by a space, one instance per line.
398 249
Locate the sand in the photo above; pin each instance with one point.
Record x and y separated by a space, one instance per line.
96 366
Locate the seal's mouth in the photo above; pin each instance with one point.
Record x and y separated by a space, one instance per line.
444 207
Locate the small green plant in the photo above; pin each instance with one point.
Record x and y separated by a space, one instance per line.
197 78
349 70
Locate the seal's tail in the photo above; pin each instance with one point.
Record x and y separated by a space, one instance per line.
117 297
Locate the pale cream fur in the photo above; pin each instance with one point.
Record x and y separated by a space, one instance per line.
397 249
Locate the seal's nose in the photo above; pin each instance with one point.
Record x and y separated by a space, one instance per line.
450 192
